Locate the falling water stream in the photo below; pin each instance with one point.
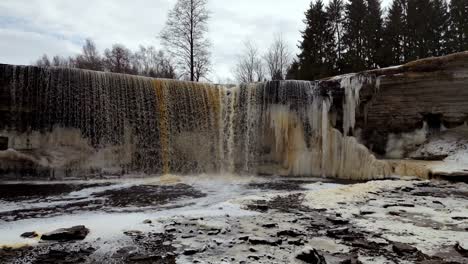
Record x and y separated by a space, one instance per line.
75 120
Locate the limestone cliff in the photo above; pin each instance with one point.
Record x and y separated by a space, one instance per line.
82 122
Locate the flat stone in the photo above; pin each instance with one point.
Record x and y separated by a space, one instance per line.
459 218
29 235
296 242
403 249
264 241
366 212
190 251
338 221
270 225
64 234
338 232
290 233
351 260
398 205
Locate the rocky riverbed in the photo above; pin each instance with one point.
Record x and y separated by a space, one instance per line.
229 219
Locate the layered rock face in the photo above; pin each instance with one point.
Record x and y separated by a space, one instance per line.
75 122
432 91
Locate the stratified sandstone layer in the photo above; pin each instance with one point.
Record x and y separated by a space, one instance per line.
433 90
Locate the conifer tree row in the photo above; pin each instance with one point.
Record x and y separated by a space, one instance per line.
354 35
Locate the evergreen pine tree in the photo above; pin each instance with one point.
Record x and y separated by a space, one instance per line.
316 46
354 37
393 38
439 25
335 12
293 71
419 32
458 33
373 27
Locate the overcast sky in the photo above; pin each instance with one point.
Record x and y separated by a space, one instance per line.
30 28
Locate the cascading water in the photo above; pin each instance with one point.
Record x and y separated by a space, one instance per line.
82 120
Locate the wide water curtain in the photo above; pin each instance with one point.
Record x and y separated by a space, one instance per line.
84 120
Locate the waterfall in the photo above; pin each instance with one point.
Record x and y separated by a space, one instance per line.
78 120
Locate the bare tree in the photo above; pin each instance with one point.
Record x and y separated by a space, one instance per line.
278 59
152 63
118 59
185 37
90 59
43 61
249 67
59 61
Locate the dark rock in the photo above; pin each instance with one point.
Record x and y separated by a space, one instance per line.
403 249
462 249
270 225
171 229
296 242
214 232
366 212
252 250
29 234
253 257
264 241
398 204
290 233
311 256
133 233
362 243
244 238
352 260
338 221
337 232
145 258
407 189
190 251
65 234
460 218
394 213
147 221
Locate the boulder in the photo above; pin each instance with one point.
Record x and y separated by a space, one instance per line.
311 255
29 235
65 234
462 248
403 249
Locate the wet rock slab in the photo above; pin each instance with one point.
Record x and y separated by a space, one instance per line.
23 191
67 234
133 198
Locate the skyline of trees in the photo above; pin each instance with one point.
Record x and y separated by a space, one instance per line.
254 65
340 37
356 35
147 61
